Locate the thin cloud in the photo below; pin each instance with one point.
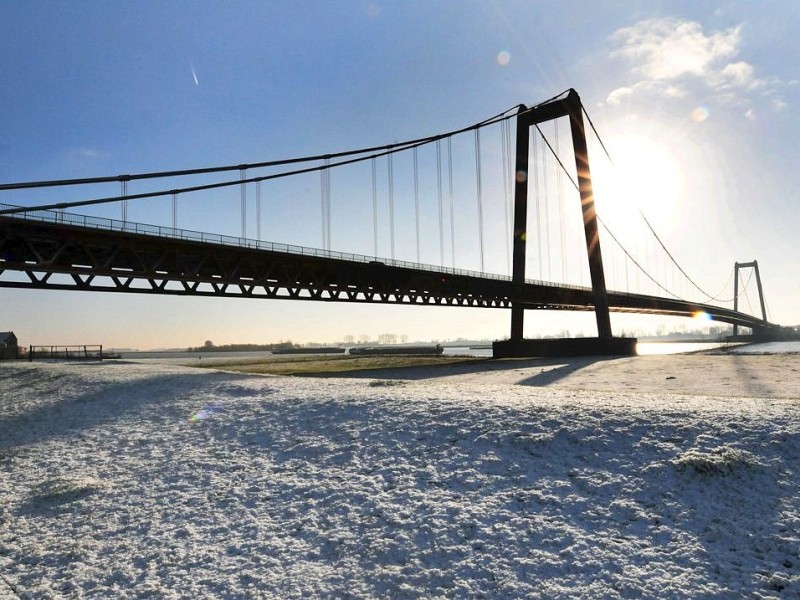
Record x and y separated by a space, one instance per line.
739 74
778 104
666 49
676 58
86 154
194 74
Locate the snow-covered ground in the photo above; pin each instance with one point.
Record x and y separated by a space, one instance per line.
160 481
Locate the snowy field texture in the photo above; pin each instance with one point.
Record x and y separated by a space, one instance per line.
159 481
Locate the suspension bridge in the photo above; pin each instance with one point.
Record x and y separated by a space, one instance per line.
499 214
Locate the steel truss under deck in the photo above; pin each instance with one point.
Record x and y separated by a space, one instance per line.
65 257
38 254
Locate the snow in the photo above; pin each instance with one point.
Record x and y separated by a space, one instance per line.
134 480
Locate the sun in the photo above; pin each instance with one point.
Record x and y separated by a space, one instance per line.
641 175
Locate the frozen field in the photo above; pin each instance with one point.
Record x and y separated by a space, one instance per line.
160 481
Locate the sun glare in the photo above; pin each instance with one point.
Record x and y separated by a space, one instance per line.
643 176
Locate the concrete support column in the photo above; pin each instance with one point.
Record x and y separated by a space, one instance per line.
520 216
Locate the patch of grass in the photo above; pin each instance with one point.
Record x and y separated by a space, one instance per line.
10 452
719 461
64 490
315 366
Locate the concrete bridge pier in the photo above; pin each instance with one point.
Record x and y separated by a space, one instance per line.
564 347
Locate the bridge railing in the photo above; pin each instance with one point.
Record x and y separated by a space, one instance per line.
104 223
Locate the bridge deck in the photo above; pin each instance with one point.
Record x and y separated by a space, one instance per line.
54 250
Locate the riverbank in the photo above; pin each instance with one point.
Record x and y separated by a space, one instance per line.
714 373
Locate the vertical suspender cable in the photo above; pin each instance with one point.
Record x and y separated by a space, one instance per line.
545 194
390 165
560 197
328 203
174 210
323 228
506 199
243 194
512 178
375 205
609 270
674 282
747 295
258 210
627 281
416 200
452 210
659 266
439 190
656 266
123 184
479 192
325 203
536 197
637 272
653 260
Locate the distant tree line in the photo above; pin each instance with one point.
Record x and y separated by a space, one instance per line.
383 338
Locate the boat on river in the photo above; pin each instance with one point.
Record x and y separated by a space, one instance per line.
395 350
325 350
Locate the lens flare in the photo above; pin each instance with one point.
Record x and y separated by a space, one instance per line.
205 413
702 317
503 58
700 114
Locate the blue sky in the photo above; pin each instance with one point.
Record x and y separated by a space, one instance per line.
694 100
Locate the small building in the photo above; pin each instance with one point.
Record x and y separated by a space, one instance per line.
8 345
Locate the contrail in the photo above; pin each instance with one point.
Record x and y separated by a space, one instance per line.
194 74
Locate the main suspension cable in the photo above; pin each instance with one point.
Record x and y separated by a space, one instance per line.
634 261
675 262
377 151
399 146
558 158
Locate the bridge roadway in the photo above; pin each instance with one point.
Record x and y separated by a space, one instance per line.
65 251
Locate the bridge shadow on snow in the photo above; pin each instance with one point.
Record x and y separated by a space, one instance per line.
536 372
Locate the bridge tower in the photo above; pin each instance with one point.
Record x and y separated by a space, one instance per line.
748 265
604 344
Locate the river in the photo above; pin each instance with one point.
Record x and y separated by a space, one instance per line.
643 348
